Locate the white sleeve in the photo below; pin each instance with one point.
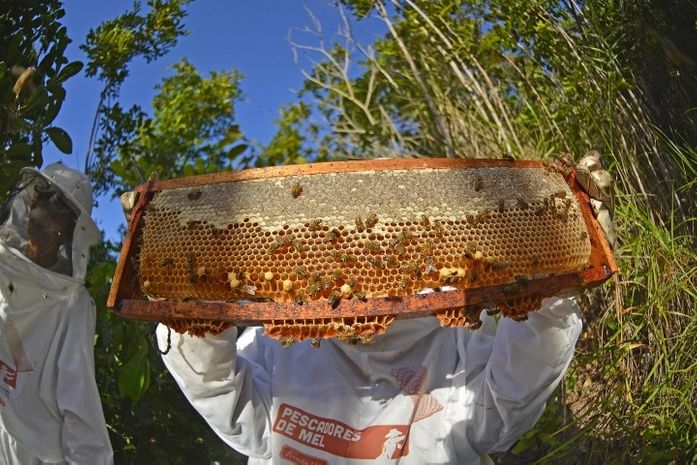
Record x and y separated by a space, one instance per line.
233 394
84 438
527 362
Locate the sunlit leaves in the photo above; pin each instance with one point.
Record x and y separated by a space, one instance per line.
33 70
113 44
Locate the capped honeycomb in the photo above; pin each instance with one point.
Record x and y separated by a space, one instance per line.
361 234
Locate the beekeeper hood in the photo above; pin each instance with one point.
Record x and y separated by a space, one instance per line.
47 219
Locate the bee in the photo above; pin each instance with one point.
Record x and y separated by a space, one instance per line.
334 299
478 183
315 342
430 268
371 221
438 227
287 342
377 263
392 261
347 258
510 288
314 288
428 247
483 215
404 283
360 296
425 222
413 267
295 190
300 297
394 244
360 226
366 339
352 281
502 206
470 250
298 245
301 271
372 246
194 194
522 204
521 279
333 235
541 210
326 282
279 243
314 225
337 275
472 220
169 261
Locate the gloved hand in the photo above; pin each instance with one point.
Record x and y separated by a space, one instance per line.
128 201
598 184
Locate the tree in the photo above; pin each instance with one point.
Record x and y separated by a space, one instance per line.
33 70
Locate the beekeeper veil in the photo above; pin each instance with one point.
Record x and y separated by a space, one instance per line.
47 219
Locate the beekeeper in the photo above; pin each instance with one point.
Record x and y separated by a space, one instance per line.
419 394
50 410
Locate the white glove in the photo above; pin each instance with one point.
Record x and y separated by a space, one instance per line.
128 201
598 184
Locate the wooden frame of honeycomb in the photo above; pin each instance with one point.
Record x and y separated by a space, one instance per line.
340 249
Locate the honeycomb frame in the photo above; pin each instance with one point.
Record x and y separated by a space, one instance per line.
370 259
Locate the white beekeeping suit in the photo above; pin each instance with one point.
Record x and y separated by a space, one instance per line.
50 411
419 394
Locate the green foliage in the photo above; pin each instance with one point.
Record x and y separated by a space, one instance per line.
115 43
289 145
112 46
33 70
192 131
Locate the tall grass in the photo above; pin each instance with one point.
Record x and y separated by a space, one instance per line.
534 79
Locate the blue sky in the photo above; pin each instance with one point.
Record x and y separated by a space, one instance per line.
251 36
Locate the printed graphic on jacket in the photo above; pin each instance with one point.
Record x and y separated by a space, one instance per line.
340 439
8 374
